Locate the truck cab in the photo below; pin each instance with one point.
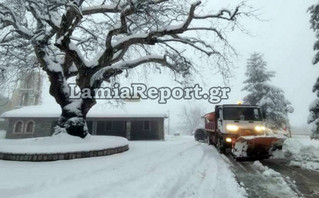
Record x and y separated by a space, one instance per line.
230 121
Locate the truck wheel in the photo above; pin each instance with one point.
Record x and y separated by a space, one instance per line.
215 139
220 146
209 141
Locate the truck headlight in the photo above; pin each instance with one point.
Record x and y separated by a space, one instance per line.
260 128
232 127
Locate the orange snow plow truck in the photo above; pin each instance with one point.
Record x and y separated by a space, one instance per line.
240 130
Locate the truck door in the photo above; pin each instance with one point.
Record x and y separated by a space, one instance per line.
219 118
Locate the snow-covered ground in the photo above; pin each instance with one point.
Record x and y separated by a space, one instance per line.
61 143
301 151
176 167
276 183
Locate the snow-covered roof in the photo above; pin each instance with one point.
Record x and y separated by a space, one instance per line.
130 109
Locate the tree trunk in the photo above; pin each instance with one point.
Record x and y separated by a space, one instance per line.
73 123
74 111
73 117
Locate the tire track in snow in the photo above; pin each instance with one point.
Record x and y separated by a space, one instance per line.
208 178
121 163
178 189
305 182
139 180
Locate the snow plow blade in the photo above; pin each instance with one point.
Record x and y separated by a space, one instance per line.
256 147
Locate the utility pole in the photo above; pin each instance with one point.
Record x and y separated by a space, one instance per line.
168 122
289 109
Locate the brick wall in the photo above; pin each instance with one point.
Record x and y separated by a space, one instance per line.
40 157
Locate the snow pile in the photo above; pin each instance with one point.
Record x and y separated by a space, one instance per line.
61 143
277 154
277 184
2 134
302 152
259 166
271 173
240 149
241 146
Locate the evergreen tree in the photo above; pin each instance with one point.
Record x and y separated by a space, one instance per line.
275 106
270 98
257 79
313 117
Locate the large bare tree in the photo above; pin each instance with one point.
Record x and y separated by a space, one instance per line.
97 40
191 118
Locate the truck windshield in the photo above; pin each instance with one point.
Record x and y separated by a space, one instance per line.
241 113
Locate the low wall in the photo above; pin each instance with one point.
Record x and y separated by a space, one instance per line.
42 157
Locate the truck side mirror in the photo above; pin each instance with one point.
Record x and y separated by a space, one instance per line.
221 121
264 114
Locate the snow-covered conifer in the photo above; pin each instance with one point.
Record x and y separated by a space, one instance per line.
313 117
270 98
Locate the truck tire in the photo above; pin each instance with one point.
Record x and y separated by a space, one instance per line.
209 139
215 139
220 146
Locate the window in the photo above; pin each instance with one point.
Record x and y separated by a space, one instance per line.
146 125
242 113
108 125
89 125
257 114
18 127
100 127
29 128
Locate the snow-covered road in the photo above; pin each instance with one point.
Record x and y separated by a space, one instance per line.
177 167
305 182
262 181
274 178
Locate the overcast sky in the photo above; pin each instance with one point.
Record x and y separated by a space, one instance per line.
284 37
286 41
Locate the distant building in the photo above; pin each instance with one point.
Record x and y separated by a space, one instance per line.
28 91
133 121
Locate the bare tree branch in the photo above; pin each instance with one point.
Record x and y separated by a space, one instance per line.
68 39
100 9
